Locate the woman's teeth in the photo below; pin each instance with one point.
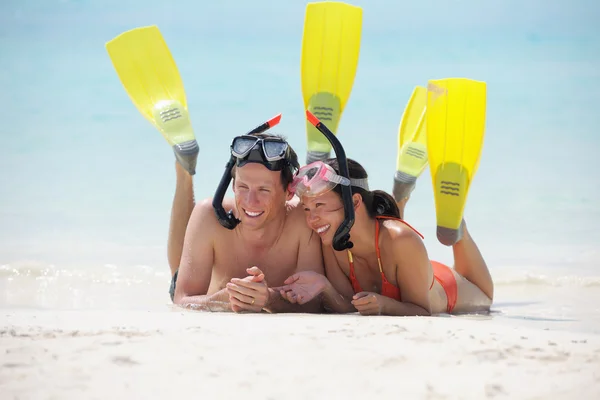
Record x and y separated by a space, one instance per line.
322 229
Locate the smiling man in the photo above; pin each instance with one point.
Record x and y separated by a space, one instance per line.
220 269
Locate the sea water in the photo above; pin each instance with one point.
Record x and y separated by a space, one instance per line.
86 183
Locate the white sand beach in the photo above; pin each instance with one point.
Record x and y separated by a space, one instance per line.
178 354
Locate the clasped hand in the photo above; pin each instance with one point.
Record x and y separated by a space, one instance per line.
250 293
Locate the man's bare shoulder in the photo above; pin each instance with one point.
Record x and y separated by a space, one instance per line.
297 223
297 217
204 215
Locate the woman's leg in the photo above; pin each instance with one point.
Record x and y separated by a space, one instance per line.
469 263
475 279
181 210
474 282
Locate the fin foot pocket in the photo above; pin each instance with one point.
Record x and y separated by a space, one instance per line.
312 156
404 184
186 154
448 236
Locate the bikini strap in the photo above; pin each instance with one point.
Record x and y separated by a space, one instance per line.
383 217
351 263
379 217
377 247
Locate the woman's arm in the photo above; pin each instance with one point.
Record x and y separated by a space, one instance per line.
337 296
333 290
408 253
412 273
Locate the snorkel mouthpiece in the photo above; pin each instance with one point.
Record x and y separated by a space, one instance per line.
341 239
227 219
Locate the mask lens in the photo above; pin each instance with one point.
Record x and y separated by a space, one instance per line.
315 189
308 173
311 181
242 146
274 149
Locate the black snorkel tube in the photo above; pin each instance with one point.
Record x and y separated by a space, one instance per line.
227 219
341 239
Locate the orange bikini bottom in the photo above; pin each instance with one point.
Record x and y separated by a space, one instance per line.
443 274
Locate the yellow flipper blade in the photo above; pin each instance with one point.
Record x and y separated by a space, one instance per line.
150 77
456 111
412 135
412 144
329 59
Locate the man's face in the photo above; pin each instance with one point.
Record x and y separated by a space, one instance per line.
258 191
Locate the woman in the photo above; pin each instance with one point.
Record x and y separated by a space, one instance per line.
387 271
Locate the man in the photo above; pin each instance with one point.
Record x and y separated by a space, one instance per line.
220 269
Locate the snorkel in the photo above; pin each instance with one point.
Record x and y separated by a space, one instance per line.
341 239
227 219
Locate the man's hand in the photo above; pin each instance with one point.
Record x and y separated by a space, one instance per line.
250 293
302 287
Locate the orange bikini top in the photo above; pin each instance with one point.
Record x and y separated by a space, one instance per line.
387 289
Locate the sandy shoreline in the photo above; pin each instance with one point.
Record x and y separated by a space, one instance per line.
139 354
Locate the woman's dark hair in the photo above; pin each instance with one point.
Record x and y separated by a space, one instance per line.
377 202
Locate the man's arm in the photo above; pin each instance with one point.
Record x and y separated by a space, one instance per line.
310 258
335 293
197 263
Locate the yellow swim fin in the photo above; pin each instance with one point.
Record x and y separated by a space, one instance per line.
150 76
412 144
330 51
456 111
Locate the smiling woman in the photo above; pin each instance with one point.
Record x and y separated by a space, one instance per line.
316 182
387 270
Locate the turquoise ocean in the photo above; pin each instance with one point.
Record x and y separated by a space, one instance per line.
86 183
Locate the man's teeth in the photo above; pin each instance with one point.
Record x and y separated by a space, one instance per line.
323 228
253 214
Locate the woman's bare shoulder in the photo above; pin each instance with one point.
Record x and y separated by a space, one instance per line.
399 232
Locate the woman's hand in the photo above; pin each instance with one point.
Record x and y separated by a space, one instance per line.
302 287
369 303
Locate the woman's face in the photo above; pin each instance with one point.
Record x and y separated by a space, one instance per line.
324 214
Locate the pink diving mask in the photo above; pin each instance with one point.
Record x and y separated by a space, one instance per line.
317 178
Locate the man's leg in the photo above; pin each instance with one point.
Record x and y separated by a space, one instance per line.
402 204
183 205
